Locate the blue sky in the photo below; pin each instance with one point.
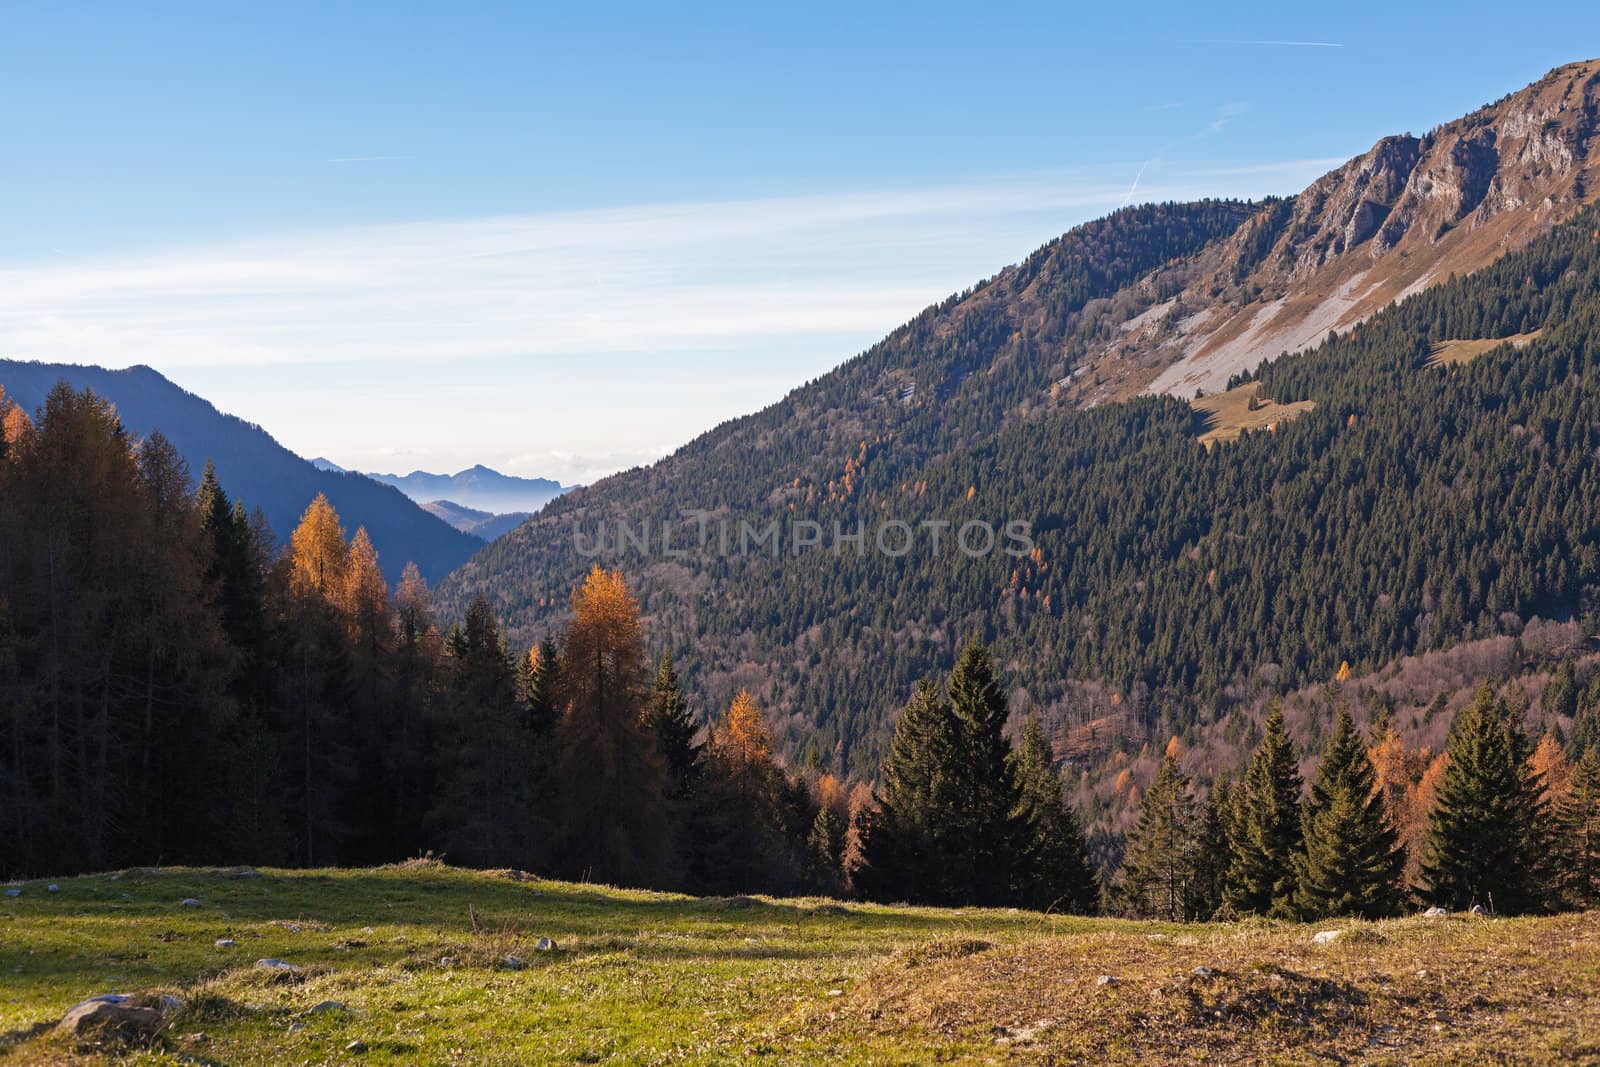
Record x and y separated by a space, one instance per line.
562 240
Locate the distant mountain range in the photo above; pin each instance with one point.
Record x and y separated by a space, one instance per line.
481 524
479 500
255 468
477 487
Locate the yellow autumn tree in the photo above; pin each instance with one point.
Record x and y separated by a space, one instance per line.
1550 763
611 780
742 739
14 422
365 598
318 555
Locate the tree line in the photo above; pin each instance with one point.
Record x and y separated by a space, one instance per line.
175 688
1510 829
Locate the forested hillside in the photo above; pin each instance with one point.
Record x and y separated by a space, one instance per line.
1414 507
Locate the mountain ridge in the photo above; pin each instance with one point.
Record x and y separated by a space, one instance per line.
998 399
252 465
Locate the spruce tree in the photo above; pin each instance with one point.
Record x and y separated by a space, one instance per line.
538 680
1351 862
825 852
1213 846
1158 869
668 720
1267 834
1057 873
1578 836
987 835
1483 837
903 839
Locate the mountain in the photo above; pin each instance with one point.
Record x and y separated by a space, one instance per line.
1400 498
477 487
323 464
1392 222
252 466
484 525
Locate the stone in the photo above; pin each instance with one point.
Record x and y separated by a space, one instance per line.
13 892
512 963
545 945
1435 913
326 1006
447 961
115 1015
1326 937
1479 909
279 967
224 942
1106 979
52 888
190 902
1203 971
356 1046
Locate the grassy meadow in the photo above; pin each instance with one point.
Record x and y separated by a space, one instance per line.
430 964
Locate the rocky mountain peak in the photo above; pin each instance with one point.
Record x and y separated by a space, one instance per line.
1400 217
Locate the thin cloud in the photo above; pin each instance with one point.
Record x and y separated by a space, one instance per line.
1281 44
363 159
507 329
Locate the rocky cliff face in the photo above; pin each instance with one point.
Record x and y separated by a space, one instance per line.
1397 219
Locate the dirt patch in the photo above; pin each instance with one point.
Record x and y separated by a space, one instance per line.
1450 992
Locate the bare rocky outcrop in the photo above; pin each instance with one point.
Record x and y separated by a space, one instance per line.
1394 220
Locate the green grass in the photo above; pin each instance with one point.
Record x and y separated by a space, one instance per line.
657 978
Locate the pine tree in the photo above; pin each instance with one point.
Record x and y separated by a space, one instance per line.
1350 862
1577 823
539 684
481 815
668 720
1214 846
1158 869
825 852
985 832
1483 836
1057 873
902 837
1267 834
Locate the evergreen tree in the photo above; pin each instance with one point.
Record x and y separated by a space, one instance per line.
1214 846
1158 877
903 838
1483 836
1056 873
1267 833
982 826
538 682
668 720
482 814
1351 862
1578 837
825 852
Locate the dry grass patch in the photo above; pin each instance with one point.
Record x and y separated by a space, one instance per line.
1412 991
1455 353
1229 414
